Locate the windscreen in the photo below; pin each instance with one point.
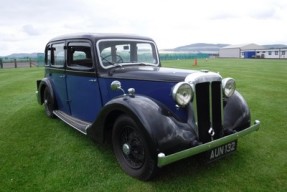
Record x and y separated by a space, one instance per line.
127 52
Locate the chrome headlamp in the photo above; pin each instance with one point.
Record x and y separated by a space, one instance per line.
182 93
228 86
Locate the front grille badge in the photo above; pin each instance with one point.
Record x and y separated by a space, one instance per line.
211 133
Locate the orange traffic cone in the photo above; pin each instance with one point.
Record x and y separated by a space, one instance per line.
195 62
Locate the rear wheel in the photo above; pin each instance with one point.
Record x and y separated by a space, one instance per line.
132 150
48 103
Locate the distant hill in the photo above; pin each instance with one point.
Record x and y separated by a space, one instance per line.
24 55
212 48
196 48
200 47
275 46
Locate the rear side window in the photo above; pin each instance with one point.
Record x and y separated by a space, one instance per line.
57 54
79 55
48 55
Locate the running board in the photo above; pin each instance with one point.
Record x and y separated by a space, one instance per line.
72 121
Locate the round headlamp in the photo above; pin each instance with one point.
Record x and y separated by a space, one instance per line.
182 93
229 87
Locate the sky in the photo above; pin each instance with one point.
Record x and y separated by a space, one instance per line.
27 25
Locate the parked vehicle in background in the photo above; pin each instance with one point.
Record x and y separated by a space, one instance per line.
112 88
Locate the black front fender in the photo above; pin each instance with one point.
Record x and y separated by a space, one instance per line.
162 129
236 113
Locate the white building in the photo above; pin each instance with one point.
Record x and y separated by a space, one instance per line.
235 51
280 53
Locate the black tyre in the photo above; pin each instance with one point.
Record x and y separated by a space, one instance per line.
132 150
48 103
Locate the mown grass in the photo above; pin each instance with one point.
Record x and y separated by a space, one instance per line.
42 154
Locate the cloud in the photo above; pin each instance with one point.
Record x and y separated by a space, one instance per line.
171 23
223 16
30 30
264 14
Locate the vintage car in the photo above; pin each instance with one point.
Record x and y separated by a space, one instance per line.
112 88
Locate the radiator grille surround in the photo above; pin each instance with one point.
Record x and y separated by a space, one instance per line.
208 108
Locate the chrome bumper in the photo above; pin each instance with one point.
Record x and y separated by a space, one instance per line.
165 160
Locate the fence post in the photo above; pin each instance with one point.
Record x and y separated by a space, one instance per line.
1 63
30 61
15 62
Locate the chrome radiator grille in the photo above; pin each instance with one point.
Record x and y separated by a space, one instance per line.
208 98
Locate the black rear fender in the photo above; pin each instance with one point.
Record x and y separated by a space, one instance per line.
41 86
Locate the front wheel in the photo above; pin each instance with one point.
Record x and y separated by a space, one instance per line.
132 150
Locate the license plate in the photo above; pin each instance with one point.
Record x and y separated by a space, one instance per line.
222 151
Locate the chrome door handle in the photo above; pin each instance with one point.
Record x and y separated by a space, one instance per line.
93 80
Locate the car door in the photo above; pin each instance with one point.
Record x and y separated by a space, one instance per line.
82 84
57 75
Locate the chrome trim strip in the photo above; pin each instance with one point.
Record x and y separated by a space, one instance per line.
222 107
194 105
165 160
201 77
210 109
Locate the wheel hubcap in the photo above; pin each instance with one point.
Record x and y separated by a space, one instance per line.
126 149
132 148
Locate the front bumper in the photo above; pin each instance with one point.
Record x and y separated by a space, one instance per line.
165 160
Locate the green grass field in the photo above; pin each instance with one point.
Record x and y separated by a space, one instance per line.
42 154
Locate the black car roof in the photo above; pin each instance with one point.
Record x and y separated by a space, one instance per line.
98 36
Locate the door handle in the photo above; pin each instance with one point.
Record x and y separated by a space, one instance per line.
62 76
93 80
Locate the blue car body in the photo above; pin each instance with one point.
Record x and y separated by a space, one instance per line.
174 113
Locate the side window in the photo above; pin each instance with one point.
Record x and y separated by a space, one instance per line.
79 55
48 55
58 55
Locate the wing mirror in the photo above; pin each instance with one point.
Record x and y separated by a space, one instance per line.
116 85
